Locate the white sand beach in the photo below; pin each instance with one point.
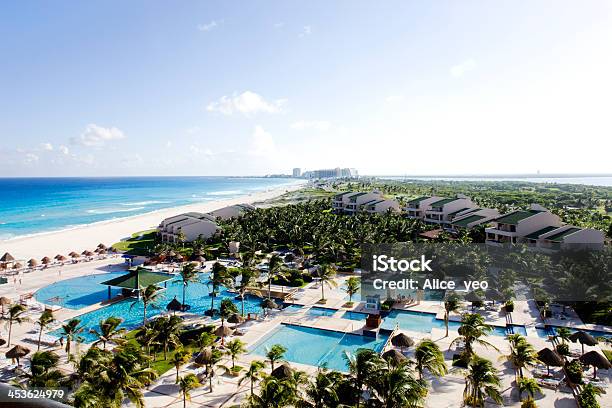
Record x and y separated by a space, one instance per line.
108 232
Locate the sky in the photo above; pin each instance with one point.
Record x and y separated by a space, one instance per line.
111 88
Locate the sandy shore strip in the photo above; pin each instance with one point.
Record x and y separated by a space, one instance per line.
111 231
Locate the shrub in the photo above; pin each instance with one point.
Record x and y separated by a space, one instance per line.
574 371
529 403
509 306
563 349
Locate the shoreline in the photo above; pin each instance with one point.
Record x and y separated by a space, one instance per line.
108 232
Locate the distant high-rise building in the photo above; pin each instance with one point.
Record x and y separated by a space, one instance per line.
330 173
297 172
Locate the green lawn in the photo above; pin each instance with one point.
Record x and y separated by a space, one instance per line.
138 244
608 354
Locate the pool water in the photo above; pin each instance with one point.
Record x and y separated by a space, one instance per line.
131 311
307 345
77 293
425 322
320 311
354 316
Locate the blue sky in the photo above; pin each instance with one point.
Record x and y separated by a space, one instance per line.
238 88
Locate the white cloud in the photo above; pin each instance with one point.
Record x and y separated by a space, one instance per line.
247 103
210 26
47 146
64 150
30 158
460 69
306 30
96 136
200 151
320 125
262 143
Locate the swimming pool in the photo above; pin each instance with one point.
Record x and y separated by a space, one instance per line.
424 322
77 293
308 345
197 296
316 311
552 330
354 315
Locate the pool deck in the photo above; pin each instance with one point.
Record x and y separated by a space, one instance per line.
445 392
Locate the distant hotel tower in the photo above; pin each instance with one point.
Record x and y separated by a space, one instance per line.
297 172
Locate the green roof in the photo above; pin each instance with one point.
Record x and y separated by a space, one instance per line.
339 196
516 216
137 279
559 237
458 211
536 234
353 198
417 200
440 203
467 220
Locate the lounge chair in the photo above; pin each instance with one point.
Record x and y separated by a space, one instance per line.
549 383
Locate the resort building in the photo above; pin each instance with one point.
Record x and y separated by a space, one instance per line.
188 227
471 218
568 236
232 211
516 226
442 211
353 202
416 207
381 206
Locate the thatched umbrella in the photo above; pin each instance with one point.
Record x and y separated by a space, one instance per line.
87 253
46 260
32 263
223 332
7 257
401 341
583 338
550 358
112 249
282 372
174 305
102 251
62 258
235 318
268 303
198 258
171 254
203 356
2 341
72 255
494 295
4 301
475 298
102 246
393 356
17 266
597 360
17 352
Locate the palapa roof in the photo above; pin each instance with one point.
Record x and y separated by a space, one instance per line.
17 352
583 338
137 279
7 257
174 305
281 372
223 331
593 358
402 340
550 357
393 355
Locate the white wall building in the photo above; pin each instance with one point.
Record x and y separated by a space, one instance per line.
190 225
381 206
515 226
442 211
232 211
416 207
471 218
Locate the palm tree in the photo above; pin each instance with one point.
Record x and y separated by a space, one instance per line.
169 329
563 333
227 309
205 339
43 370
45 319
234 349
326 274
253 374
108 331
218 277
187 275
186 384
275 354
146 337
481 381
395 386
275 269
362 366
522 354
427 355
179 358
71 331
352 287
212 359
472 328
246 281
451 304
15 315
275 392
529 386
323 391
149 297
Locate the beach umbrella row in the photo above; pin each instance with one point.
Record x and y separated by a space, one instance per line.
583 338
597 360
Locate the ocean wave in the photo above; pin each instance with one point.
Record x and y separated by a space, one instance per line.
114 210
141 203
225 192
